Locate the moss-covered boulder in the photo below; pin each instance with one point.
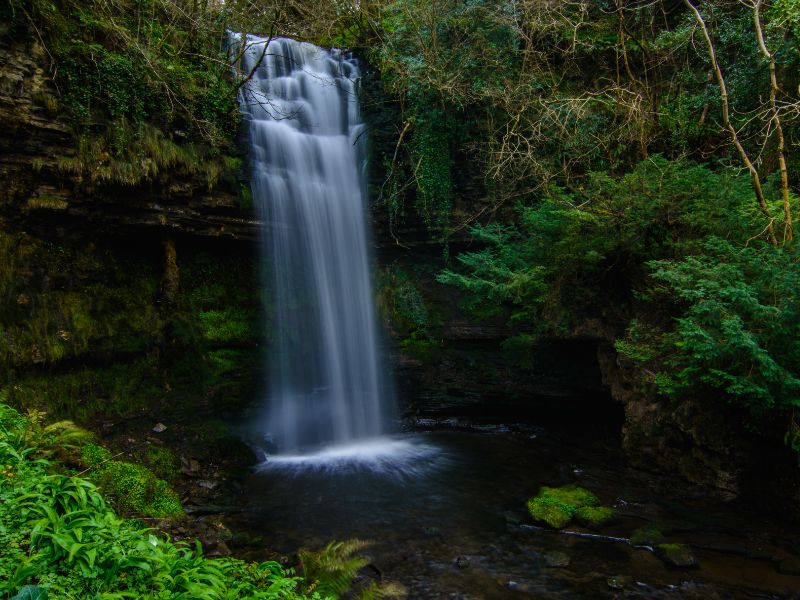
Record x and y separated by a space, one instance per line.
594 516
133 488
679 556
558 506
650 535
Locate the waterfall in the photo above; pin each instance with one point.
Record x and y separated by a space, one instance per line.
307 150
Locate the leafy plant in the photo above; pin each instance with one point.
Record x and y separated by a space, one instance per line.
331 571
61 540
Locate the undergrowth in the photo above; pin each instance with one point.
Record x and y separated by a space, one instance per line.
61 539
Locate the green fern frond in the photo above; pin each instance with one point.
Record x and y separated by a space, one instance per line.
330 571
379 591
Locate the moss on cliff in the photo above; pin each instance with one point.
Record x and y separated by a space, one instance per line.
85 331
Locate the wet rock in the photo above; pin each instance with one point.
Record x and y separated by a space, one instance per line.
220 549
462 562
790 566
209 485
431 531
647 536
618 582
676 555
159 427
557 559
517 586
189 466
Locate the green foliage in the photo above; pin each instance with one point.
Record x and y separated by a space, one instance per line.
401 303
331 571
444 61
31 592
146 85
431 153
677 237
571 243
558 506
135 489
61 539
738 330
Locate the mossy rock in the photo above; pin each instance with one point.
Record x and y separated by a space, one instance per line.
676 555
135 489
93 455
549 510
558 506
595 516
647 536
162 461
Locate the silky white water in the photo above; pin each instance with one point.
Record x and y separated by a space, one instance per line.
327 384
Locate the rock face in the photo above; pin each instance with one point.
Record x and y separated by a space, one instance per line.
37 191
700 445
692 440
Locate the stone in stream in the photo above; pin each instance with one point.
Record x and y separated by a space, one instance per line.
431 531
676 555
557 559
647 536
462 562
790 566
618 582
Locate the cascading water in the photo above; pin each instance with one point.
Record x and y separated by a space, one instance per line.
307 153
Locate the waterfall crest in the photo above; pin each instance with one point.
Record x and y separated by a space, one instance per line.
307 150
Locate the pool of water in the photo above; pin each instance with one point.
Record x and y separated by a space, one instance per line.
445 514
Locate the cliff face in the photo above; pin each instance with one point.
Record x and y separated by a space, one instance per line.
177 296
38 189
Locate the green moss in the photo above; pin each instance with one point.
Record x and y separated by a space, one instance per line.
647 536
92 455
59 302
46 203
595 515
135 489
245 198
419 348
162 461
551 511
232 324
558 506
225 360
118 389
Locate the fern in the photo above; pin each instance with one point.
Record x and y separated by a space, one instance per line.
331 571
378 591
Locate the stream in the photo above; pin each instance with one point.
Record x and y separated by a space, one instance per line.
448 520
